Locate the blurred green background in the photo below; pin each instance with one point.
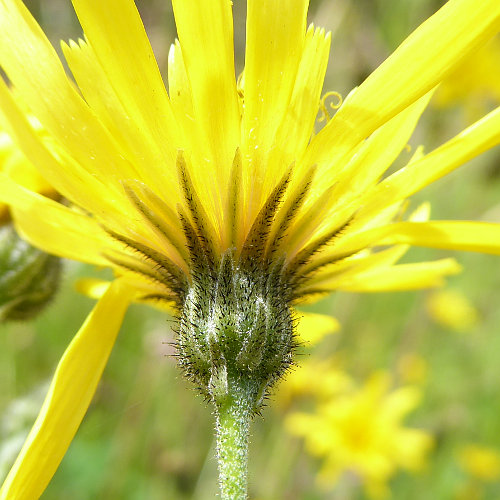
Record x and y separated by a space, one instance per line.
148 435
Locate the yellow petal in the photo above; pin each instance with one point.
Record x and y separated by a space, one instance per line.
180 95
400 277
359 264
36 72
15 164
117 36
300 115
451 235
377 153
178 82
474 140
149 156
71 181
431 52
400 402
69 396
275 39
295 130
297 126
92 287
87 190
96 288
312 327
205 29
366 166
22 171
365 260
54 227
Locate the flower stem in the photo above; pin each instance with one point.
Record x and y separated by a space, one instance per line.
233 418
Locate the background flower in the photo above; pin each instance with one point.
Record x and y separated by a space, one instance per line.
361 431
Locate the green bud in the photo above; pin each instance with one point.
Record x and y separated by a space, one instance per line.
29 278
236 329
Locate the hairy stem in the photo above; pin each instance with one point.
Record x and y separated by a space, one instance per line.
233 418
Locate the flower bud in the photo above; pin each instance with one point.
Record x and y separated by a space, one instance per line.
236 328
29 278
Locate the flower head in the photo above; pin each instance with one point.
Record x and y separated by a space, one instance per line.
361 430
453 310
480 462
223 165
218 194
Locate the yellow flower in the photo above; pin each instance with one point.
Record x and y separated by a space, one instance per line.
313 327
361 430
451 309
475 83
322 379
480 462
220 178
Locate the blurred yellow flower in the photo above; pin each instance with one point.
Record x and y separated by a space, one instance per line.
216 186
320 379
451 309
475 83
312 327
361 430
480 462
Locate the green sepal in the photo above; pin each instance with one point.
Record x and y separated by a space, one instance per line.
236 325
